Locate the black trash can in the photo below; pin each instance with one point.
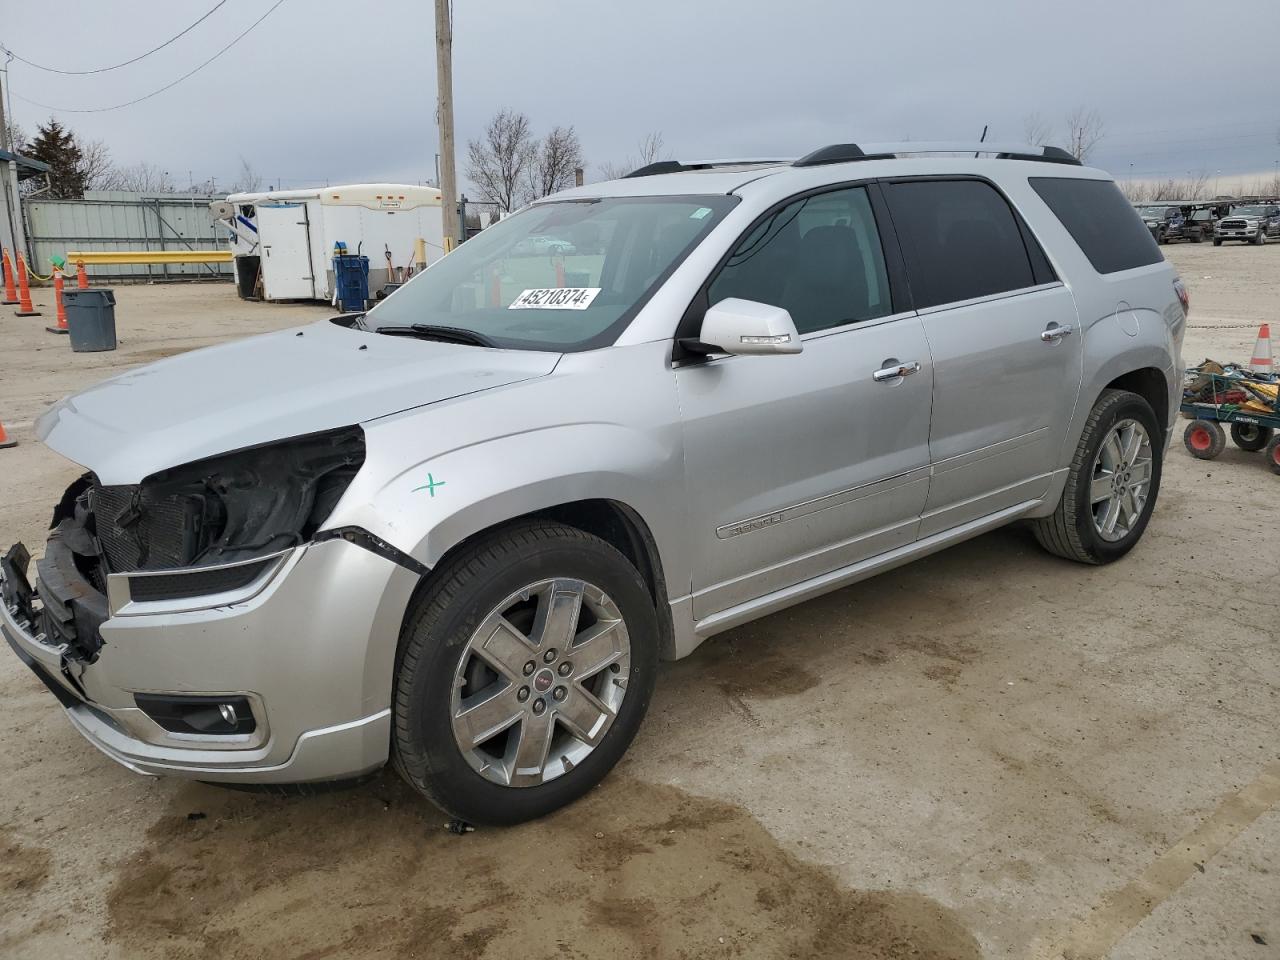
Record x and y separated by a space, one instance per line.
91 319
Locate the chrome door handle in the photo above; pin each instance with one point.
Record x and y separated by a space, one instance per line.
885 374
1052 334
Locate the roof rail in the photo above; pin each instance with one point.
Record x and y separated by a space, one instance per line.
677 166
847 152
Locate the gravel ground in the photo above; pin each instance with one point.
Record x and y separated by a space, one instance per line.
990 753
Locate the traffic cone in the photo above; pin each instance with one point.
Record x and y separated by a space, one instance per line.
10 294
25 307
1261 362
4 439
62 307
82 278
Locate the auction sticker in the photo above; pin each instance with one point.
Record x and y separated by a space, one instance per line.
555 298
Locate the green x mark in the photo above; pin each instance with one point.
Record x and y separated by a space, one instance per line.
430 485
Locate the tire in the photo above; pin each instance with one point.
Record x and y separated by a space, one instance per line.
1217 243
436 657
1273 454
1250 436
1204 439
1197 237
1072 530
1259 238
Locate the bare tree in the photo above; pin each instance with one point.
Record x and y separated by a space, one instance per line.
554 161
1085 131
1036 130
95 165
248 179
499 162
140 177
652 148
17 139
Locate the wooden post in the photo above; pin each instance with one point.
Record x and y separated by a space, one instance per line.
444 110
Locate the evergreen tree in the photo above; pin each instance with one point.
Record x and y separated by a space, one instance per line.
56 146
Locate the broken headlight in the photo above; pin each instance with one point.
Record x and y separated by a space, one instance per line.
231 507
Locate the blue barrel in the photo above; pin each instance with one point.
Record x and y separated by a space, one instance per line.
91 319
351 276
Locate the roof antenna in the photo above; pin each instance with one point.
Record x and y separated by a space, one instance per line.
981 139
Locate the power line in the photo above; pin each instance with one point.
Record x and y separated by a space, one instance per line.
85 73
167 86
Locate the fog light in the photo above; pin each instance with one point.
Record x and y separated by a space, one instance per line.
203 716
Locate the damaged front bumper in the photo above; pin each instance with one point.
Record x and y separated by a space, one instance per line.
307 647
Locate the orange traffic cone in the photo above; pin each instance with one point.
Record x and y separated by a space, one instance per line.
25 307
1261 362
62 307
82 278
10 294
4 439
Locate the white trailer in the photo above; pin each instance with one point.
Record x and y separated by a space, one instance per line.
283 240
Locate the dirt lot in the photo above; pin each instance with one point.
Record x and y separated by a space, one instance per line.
991 753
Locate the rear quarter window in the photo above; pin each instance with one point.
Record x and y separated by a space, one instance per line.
1101 221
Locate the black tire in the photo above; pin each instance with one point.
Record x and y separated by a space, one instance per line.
1217 243
1069 531
1204 439
1197 237
441 621
1250 436
1273 454
1259 238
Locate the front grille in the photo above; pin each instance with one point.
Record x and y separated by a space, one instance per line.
1234 224
139 531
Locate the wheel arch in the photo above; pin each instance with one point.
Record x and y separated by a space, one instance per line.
613 521
1152 385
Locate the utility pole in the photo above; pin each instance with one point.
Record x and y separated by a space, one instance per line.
9 173
444 118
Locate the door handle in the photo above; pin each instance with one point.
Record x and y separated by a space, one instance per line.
895 371
1056 333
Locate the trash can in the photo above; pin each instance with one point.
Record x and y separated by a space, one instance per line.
351 277
91 319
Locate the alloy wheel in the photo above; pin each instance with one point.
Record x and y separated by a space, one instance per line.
1121 480
540 682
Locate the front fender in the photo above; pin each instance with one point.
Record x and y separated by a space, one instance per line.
605 426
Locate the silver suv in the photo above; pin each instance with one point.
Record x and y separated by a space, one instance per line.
460 532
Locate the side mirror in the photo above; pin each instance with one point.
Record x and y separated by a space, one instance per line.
746 328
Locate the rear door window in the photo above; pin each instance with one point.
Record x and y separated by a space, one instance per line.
1101 221
960 240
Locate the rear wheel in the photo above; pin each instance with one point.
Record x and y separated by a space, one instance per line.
1273 454
1112 483
1250 436
524 671
1204 439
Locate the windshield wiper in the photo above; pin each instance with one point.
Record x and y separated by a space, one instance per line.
431 331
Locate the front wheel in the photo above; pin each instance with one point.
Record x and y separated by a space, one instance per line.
1204 439
1112 483
524 671
1217 242
1259 238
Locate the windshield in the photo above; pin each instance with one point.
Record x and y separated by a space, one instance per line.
1152 211
565 275
1248 211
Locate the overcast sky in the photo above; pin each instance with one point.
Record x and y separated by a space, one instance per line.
342 92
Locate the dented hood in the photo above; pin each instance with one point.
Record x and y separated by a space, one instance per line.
266 388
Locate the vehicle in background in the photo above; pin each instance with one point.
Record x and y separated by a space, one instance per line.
1164 221
1250 223
1198 227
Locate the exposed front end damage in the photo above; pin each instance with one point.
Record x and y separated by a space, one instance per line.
191 623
